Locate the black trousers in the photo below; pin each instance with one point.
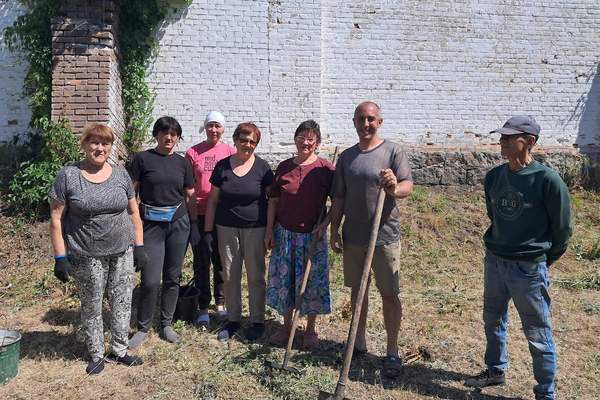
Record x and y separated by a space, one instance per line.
165 243
203 256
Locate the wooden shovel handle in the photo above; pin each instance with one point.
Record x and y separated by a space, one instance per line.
296 313
305 276
341 385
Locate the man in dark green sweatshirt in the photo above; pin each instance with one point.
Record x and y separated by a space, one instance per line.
528 205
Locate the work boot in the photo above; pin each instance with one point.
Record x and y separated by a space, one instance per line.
486 378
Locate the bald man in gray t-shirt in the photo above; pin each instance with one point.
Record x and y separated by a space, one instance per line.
360 171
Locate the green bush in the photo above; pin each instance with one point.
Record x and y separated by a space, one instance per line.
12 154
140 22
31 36
56 146
53 145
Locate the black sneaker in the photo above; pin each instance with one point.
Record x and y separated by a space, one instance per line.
228 331
255 332
127 359
95 367
486 378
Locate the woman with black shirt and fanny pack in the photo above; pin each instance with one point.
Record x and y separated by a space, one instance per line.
165 183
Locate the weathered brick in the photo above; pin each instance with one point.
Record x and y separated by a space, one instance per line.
86 111
86 75
78 118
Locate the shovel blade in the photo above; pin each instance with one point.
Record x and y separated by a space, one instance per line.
279 367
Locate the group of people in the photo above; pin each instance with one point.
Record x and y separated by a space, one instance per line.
228 204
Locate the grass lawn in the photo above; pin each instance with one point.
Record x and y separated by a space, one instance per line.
441 278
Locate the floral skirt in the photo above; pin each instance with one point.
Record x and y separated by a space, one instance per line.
285 273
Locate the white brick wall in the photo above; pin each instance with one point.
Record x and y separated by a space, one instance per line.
216 57
444 72
14 110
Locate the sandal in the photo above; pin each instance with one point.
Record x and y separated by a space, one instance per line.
311 340
392 367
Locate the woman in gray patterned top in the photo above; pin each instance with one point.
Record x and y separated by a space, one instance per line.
94 221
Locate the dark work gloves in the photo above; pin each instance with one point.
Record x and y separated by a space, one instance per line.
195 236
62 269
140 257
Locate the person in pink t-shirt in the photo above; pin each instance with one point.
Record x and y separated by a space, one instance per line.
204 156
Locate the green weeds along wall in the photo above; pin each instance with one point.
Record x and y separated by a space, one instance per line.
50 145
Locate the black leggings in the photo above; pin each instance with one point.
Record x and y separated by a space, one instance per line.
203 256
165 244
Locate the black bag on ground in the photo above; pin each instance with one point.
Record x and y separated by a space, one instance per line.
187 304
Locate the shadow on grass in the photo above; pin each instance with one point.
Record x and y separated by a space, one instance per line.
61 316
418 377
39 345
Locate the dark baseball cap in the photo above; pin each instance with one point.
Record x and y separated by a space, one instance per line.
518 125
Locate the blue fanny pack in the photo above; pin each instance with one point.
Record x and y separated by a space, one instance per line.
159 214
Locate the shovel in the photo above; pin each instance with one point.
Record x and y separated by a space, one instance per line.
296 313
341 385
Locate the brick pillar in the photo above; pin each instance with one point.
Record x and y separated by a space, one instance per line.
86 82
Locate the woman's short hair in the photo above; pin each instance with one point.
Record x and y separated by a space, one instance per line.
309 125
97 130
166 124
247 128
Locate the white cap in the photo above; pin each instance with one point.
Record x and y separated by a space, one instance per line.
213 116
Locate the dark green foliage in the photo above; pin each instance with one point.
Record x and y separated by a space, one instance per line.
12 153
28 189
52 145
139 23
49 145
31 33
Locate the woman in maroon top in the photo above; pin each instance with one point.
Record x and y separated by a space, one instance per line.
296 203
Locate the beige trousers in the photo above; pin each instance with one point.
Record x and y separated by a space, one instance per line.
239 246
